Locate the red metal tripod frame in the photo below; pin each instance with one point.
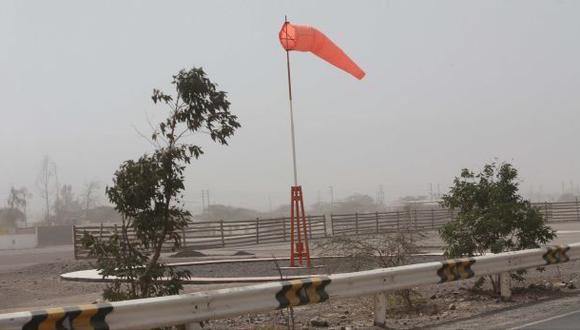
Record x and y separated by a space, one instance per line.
298 229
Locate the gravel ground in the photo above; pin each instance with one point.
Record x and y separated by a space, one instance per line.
435 306
439 306
269 268
30 280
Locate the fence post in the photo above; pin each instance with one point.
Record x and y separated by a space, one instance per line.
309 219
324 222
432 218
380 309
415 219
577 209
257 230
377 221
184 242
74 239
101 231
332 224
398 220
222 233
546 215
284 228
356 223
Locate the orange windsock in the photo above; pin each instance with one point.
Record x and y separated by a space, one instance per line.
308 39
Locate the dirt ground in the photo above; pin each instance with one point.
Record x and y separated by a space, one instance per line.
435 305
30 280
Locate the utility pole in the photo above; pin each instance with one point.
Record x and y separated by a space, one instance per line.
380 199
563 188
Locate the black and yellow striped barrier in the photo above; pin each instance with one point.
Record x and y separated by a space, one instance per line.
556 254
303 291
457 269
82 317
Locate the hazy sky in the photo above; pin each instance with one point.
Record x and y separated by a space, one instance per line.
450 84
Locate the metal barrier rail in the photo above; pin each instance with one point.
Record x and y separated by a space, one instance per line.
202 306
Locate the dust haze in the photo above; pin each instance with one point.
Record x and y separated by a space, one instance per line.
449 85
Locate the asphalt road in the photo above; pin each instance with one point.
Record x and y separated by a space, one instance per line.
570 320
11 260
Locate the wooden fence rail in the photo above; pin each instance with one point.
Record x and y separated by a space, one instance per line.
219 234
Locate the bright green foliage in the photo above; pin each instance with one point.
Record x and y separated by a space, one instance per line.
148 192
491 215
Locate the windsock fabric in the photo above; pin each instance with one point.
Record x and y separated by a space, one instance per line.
306 38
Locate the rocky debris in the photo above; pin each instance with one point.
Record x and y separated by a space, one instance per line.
319 322
242 253
188 253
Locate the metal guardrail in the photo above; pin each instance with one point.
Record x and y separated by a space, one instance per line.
218 234
202 306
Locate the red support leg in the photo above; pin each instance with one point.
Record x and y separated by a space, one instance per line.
299 243
292 257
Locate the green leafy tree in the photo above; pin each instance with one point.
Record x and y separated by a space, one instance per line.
148 192
491 215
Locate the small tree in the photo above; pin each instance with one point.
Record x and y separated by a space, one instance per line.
491 215
18 200
382 250
148 192
90 197
67 207
45 177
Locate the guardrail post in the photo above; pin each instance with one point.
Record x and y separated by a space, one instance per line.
415 219
190 326
257 230
324 222
309 219
101 231
381 309
377 221
356 223
284 228
398 220
222 233
546 211
505 286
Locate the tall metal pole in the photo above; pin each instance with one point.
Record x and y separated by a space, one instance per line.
291 111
